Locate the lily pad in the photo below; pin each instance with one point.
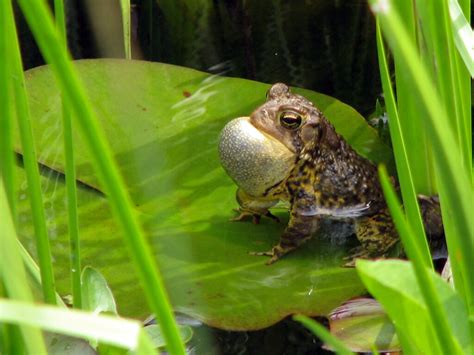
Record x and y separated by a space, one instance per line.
163 124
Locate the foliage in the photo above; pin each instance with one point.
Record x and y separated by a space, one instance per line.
425 54
430 127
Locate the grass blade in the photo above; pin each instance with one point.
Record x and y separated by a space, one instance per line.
455 185
7 158
29 159
33 272
419 156
12 272
70 173
125 7
437 30
463 35
401 158
41 24
108 329
428 290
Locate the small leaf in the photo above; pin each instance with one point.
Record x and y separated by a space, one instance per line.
58 344
156 336
361 324
96 294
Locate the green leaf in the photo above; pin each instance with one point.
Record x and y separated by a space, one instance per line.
362 325
96 294
163 124
391 280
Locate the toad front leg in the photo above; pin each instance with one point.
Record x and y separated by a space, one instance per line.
250 206
300 228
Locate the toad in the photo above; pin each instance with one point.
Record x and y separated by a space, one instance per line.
287 150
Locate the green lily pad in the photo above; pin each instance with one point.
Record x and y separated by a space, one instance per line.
163 124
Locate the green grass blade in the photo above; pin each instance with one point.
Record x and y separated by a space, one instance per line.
33 271
436 311
13 274
125 8
70 173
7 162
419 155
60 17
403 168
437 28
73 222
108 329
455 186
11 339
464 39
322 333
41 24
463 35
29 159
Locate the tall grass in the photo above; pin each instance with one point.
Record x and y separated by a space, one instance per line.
430 106
437 86
430 126
52 45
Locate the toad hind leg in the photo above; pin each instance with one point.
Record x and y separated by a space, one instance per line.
377 236
299 230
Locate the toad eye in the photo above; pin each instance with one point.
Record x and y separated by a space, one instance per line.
291 120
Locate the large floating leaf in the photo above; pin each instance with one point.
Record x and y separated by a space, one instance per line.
163 124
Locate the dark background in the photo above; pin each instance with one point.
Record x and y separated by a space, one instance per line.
327 46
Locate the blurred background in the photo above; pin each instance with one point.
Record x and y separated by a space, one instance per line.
323 45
